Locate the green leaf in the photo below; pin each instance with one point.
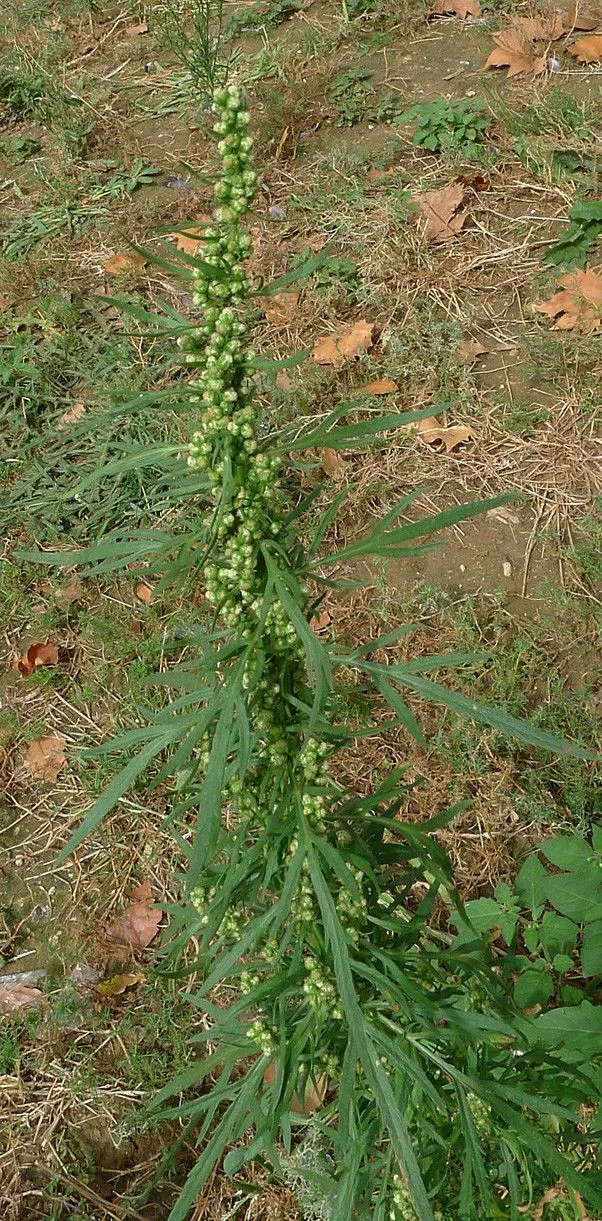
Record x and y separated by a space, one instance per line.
114 790
533 988
483 914
484 713
557 934
567 851
591 949
576 895
575 1026
530 883
562 963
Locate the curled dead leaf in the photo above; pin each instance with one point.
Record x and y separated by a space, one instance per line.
384 385
455 8
188 243
587 50
140 27
45 757
138 924
119 264
118 984
36 655
443 211
446 437
469 349
144 592
17 997
333 464
74 413
280 309
68 594
315 1092
320 621
578 307
338 349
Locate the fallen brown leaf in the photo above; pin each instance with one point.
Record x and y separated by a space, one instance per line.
280 309
442 208
45 757
455 8
74 413
138 924
351 341
477 182
119 264
314 1096
587 50
144 592
384 385
579 306
141 27
574 19
333 464
118 984
433 432
70 593
188 243
545 27
36 655
515 51
469 349
16 998
136 626
283 380
319 622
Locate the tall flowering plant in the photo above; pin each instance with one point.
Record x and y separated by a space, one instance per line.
327 989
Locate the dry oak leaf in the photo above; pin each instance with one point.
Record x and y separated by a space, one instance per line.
469 349
140 27
320 621
280 309
574 19
188 243
542 28
74 413
457 8
314 1096
448 437
119 264
338 350
515 51
144 592
139 923
587 50
444 217
45 757
36 655
333 464
383 385
17 997
579 306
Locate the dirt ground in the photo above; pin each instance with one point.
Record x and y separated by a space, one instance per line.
90 102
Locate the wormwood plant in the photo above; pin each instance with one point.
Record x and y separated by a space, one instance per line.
325 984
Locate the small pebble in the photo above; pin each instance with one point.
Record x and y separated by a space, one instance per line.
507 568
277 212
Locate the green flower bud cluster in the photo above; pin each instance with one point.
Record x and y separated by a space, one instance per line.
352 911
320 989
266 1036
402 1208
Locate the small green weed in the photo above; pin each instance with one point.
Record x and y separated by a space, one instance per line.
355 100
440 126
586 553
338 274
581 235
25 94
46 222
551 924
18 149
